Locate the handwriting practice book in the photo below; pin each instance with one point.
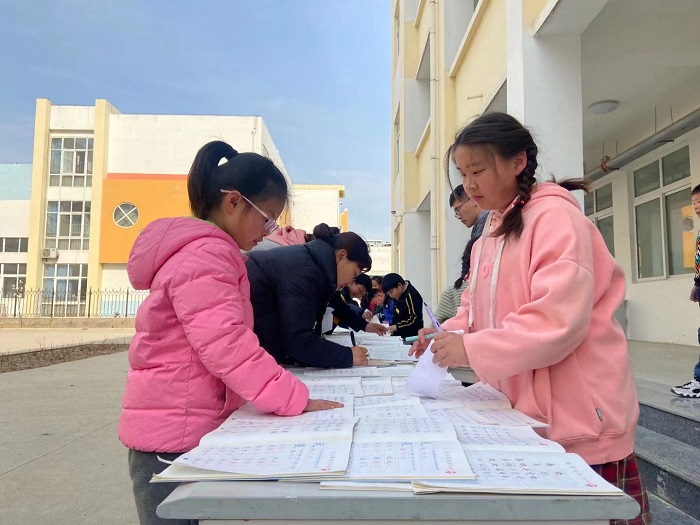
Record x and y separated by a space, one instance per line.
319 387
525 473
490 437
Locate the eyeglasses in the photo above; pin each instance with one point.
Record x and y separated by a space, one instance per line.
270 224
458 208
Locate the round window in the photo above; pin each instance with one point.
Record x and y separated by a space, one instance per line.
125 215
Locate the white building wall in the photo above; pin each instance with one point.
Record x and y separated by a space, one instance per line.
167 144
381 259
114 277
14 222
72 118
311 206
417 270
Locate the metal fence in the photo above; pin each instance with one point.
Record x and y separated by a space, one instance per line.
91 303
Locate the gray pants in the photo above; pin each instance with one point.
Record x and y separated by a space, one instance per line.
142 465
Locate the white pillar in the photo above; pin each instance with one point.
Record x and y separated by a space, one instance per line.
544 92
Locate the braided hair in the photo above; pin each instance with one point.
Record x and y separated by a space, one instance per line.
505 136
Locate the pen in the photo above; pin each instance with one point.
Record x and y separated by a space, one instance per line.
352 338
430 336
434 320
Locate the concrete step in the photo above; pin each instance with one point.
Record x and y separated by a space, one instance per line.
669 469
667 414
663 513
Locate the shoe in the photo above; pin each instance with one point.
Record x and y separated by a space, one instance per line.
690 389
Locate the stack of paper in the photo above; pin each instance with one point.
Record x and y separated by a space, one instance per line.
525 473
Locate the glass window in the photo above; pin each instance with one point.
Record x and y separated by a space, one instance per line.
676 166
125 215
23 244
681 244
11 269
649 256
607 230
12 244
67 162
646 179
72 158
603 198
588 204
55 161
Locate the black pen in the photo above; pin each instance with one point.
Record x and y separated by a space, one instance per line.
352 338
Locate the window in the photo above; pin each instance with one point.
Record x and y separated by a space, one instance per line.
14 244
71 161
13 277
665 241
125 215
598 206
65 290
68 225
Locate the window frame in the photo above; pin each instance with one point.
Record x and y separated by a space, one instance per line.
660 193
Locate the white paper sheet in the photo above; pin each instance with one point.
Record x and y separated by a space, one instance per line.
491 437
408 460
370 429
426 376
272 460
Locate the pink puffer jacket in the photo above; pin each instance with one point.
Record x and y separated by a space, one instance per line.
194 358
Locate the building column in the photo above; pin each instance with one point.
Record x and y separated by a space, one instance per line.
544 80
37 207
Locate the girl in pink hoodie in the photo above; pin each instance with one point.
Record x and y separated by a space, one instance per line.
538 312
195 358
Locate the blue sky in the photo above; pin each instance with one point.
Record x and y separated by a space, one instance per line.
318 71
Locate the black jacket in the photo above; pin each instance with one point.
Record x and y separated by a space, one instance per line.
346 312
408 312
290 287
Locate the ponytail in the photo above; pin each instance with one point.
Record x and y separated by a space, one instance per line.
254 176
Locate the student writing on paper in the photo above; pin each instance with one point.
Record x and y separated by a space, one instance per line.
539 312
290 289
408 305
195 358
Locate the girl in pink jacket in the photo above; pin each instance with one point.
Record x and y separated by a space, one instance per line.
195 358
538 312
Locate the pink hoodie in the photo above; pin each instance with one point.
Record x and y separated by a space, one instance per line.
543 330
194 358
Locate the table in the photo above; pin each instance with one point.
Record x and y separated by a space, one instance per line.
273 503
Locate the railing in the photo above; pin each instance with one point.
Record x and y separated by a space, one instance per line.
92 303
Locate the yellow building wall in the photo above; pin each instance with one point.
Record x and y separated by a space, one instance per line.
483 68
155 196
531 10
423 175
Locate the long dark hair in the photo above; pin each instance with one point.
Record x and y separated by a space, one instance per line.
505 136
358 251
254 176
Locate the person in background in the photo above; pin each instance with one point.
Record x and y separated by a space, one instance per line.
691 389
376 301
347 313
287 236
290 288
195 358
472 217
407 316
561 361
377 282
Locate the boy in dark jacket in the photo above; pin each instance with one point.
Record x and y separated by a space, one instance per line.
408 305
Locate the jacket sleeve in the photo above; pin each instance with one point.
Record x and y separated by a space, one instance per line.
207 300
696 279
300 295
411 315
349 315
555 320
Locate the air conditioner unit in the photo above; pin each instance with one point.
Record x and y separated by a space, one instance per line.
49 253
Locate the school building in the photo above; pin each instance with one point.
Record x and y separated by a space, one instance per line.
609 89
97 178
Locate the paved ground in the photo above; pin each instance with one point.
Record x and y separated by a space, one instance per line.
21 339
61 462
